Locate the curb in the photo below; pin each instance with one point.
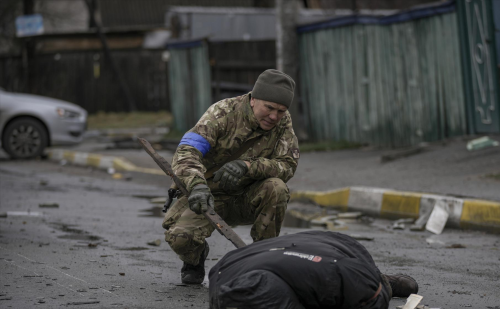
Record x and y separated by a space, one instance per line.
391 204
99 161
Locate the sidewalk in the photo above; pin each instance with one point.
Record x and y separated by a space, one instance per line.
350 179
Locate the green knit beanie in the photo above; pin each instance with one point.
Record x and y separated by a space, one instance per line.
274 86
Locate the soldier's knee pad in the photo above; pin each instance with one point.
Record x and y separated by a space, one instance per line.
276 186
180 241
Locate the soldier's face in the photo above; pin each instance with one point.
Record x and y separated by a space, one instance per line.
267 113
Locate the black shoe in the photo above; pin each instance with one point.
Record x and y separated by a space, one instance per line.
402 285
194 274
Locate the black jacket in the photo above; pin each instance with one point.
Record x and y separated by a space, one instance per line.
313 269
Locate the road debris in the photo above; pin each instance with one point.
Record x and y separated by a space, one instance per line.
422 221
398 226
336 226
23 213
93 245
117 176
3 215
349 215
361 237
155 243
413 301
322 221
438 218
122 274
456 246
83 303
52 205
432 240
480 143
44 182
397 154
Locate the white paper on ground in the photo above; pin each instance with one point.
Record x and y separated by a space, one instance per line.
438 218
413 301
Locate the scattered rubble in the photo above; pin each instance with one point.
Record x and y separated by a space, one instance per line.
400 223
155 243
361 237
422 221
350 215
23 213
480 143
397 154
456 246
50 205
83 303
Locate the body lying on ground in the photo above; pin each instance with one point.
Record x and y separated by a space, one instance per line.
313 269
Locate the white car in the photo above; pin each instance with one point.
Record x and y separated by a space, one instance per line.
29 123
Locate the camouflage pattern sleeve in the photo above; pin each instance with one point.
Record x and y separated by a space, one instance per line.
187 161
282 163
187 165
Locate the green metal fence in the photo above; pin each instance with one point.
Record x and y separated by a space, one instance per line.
391 85
189 82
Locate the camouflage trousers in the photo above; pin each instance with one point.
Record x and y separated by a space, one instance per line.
262 204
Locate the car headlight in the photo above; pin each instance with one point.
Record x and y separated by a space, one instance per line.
64 113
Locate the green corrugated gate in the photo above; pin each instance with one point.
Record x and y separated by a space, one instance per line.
387 84
480 72
189 82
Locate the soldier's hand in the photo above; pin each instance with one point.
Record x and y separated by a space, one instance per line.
230 174
199 198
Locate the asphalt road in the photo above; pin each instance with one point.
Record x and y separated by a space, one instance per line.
92 251
446 168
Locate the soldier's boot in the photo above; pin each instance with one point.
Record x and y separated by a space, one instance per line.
194 274
402 285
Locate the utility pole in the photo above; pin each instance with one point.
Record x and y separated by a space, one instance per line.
287 54
123 85
28 52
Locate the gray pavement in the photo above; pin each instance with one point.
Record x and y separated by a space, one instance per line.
92 251
443 168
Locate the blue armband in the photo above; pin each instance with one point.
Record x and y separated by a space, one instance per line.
197 141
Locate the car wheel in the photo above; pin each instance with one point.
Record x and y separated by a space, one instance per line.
25 138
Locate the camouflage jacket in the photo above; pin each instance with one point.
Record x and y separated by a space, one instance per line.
221 131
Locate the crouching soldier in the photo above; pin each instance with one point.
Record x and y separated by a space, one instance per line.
313 269
237 159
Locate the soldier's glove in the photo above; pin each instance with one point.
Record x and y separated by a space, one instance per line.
230 174
199 198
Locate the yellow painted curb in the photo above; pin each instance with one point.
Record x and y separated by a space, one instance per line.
473 214
335 198
400 204
479 212
93 160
